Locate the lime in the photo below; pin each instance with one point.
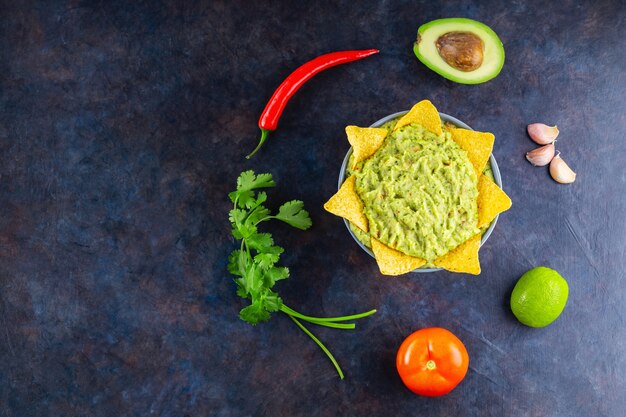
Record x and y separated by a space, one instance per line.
539 297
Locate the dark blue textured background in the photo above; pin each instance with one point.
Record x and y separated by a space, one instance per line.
124 124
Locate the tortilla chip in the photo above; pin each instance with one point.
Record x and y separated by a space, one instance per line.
491 201
365 141
463 258
478 146
346 203
423 113
393 262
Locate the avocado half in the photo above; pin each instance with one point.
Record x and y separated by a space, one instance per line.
459 49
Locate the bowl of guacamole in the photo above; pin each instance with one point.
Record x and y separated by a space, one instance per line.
419 191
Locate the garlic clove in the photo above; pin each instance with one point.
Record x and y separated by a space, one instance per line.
542 134
561 172
541 156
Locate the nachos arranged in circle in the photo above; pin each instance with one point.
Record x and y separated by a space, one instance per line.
420 193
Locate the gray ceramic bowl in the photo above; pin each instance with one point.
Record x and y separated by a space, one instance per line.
445 118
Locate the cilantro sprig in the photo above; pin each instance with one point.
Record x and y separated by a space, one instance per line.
255 263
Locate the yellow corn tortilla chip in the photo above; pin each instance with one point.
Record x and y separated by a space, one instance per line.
478 146
365 141
491 201
463 258
393 262
423 113
346 203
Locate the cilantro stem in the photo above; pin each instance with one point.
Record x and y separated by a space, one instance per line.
293 312
245 244
348 326
320 344
264 219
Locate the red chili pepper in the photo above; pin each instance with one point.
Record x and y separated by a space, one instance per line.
269 118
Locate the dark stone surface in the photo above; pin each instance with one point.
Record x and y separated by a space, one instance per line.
124 124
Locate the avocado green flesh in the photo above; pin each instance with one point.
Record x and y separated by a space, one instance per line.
425 49
419 193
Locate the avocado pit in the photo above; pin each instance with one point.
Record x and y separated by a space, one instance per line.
461 50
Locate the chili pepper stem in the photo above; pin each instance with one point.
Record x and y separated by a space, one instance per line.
264 133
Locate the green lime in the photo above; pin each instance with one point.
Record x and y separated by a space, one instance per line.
539 297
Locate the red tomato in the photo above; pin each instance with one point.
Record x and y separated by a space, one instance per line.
432 361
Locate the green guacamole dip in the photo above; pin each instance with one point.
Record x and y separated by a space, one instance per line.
419 191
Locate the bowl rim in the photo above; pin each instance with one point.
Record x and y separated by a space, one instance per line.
446 118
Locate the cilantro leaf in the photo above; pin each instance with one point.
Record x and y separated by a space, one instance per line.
257 215
240 290
260 199
241 229
294 214
237 263
274 274
245 230
272 301
260 241
237 216
245 198
263 243
274 249
247 182
261 308
249 201
254 313
266 260
252 279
